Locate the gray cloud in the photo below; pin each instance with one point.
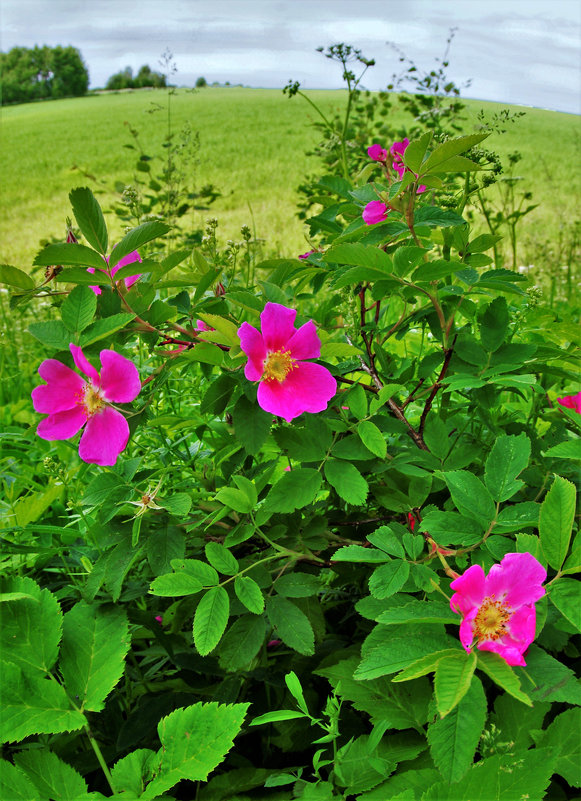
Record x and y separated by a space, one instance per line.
522 51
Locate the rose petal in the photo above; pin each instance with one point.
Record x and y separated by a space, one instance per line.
105 436
469 590
62 390
516 580
129 259
84 365
252 344
277 324
119 377
62 425
96 289
307 388
467 629
571 402
305 342
510 654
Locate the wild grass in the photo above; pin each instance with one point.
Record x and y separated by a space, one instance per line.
253 146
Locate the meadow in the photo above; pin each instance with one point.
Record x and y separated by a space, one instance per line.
253 145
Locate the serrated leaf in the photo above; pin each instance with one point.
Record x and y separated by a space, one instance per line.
297 585
177 505
203 572
360 256
51 776
211 619
89 218
221 558
132 773
347 481
563 736
452 680
389 649
450 528
502 674
494 324
386 540
388 579
372 438
95 643
556 521
249 593
417 612
275 717
427 664
79 309
194 741
470 496
507 459
415 152
52 333
251 423
242 642
453 147
235 499
294 490
30 628
173 585
15 277
14 785
105 327
218 395
291 624
139 236
566 596
70 253
454 738
357 553
571 449
32 705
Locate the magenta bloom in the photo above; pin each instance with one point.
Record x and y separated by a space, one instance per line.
571 402
288 385
70 401
377 153
375 212
397 150
130 280
202 326
306 255
498 611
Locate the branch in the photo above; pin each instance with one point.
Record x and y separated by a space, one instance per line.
447 357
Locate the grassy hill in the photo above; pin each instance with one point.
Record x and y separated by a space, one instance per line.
252 147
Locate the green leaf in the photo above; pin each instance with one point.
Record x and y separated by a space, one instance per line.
573 562
136 238
389 649
165 544
95 643
372 438
452 680
221 559
291 624
34 705
15 277
406 258
450 528
79 309
556 521
204 352
348 482
30 628
453 147
132 773
434 217
415 152
494 324
388 579
51 333
200 570
297 585
249 593
563 735
211 619
236 499
276 717
105 327
80 275
194 741
517 517
427 664
360 256
218 395
242 643
51 776
71 253
436 270
502 674
454 738
172 585
417 612
571 449
177 505
14 785
509 457
516 721
294 490
565 594
386 540
357 553
89 218
470 496
251 424
293 683
551 679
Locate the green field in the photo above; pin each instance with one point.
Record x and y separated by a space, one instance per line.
253 145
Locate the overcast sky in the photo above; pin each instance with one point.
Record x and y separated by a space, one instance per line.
515 51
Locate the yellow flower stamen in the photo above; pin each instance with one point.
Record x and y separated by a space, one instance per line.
278 365
92 400
490 622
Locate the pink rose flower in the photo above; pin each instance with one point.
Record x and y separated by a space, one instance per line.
377 153
202 326
571 402
288 385
397 150
498 611
130 280
375 212
71 402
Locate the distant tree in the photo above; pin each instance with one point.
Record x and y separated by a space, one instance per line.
42 72
145 77
201 82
